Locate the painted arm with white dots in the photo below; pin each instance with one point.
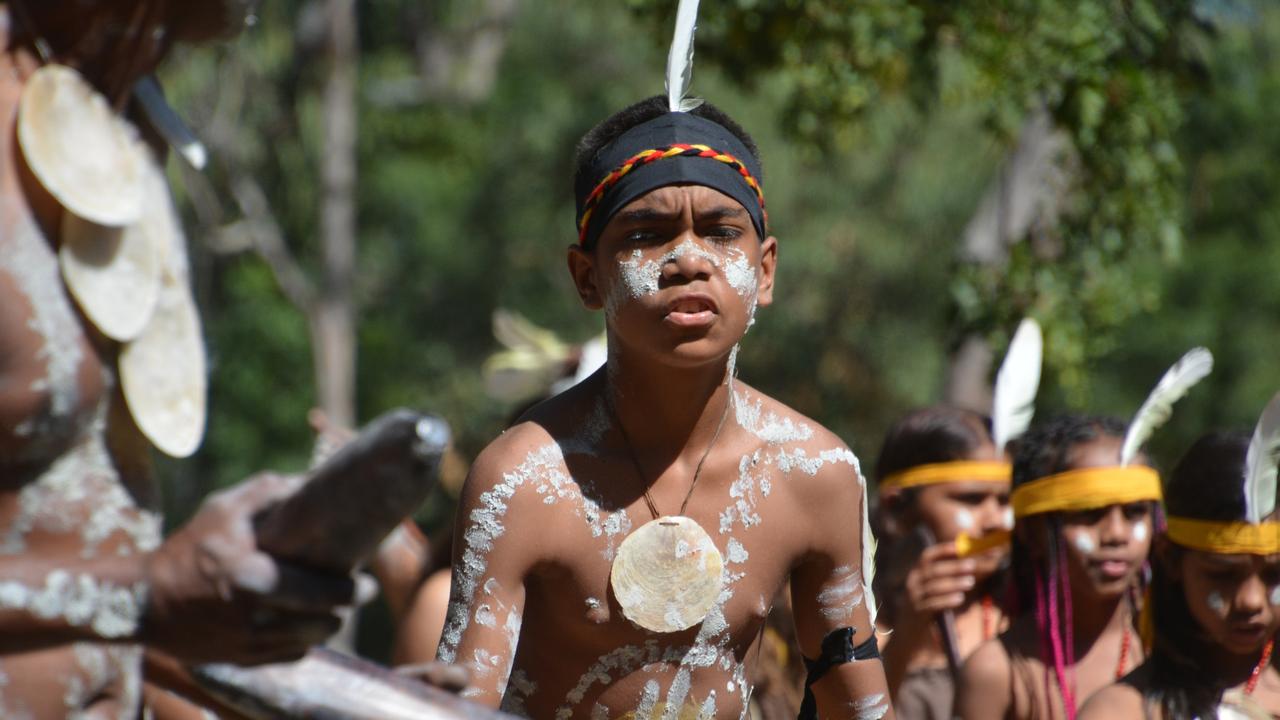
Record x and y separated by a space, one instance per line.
833 604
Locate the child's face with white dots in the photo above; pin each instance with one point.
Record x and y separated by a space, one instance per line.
1234 598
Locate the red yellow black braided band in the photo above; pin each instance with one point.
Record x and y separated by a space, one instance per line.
644 157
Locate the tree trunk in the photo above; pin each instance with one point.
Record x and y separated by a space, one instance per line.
1026 193
333 317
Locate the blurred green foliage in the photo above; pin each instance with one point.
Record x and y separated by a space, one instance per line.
880 126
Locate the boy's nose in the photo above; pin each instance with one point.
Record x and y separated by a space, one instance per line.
688 259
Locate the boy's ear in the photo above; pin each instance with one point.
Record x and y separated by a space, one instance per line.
768 264
583 271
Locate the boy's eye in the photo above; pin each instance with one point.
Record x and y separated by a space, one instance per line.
1135 511
640 237
724 232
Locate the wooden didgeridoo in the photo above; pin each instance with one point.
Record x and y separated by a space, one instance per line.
334 521
357 497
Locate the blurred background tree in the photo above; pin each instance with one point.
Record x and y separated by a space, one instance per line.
888 129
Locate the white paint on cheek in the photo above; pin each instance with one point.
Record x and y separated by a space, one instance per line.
1141 531
964 519
1008 518
1084 543
1216 603
1275 595
741 274
639 276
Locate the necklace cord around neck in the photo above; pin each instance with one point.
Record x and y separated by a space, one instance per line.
635 460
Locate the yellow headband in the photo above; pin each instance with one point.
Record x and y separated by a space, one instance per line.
1228 538
947 472
1086 489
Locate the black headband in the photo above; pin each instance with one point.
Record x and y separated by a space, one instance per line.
674 148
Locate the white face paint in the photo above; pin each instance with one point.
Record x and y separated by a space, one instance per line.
1275 595
1216 603
964 519
1008 518
1084 543
1141 531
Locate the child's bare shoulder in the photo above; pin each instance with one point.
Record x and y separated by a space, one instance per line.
798 445
532 451
1114 701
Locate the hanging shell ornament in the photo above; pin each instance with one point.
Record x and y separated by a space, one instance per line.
84 154
162 372
114 273
667 574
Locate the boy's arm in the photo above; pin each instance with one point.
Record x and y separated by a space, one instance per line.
831 597
491 556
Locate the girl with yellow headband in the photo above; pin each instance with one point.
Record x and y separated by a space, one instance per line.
1216 589
940 477
943 480
1084 503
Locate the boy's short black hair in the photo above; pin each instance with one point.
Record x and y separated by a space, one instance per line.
599 137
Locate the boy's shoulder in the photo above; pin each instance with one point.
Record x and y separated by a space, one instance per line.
797 444
534 448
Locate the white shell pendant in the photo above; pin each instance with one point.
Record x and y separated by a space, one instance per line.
114 273
162 372
667 575
84 154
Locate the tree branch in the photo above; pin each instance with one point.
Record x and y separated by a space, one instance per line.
268 241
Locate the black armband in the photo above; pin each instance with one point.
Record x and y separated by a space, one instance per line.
837 649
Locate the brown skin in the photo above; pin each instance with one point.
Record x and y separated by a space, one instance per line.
1104 558
1238 627
939 580
208 584
668 382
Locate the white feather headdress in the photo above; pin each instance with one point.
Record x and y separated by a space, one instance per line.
680 59
1260 464
1155 411
1017 382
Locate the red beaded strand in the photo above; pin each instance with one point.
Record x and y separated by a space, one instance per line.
1252 685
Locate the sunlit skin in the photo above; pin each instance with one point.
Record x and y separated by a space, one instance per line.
546 570
940 580
1104 550
1232 599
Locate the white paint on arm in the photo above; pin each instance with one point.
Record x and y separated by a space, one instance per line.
872 707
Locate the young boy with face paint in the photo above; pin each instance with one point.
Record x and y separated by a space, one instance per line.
940 479
1215 599
618 550
1082 535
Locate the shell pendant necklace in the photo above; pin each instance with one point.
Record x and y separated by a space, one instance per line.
666 575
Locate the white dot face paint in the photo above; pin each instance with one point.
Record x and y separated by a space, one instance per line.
964 519
1084 543
1275 595
1216 603
1141 531
1008 518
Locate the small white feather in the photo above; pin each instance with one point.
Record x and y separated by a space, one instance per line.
868 555
1177 380
680 58
1017 382
1260 464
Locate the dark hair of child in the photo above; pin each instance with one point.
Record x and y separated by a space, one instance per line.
1207 484
934 434
1042 584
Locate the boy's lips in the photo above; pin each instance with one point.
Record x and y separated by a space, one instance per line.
691 310
1112 568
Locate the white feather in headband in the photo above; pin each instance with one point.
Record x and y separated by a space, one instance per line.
1177 380
1017 382
1260 464
680 59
